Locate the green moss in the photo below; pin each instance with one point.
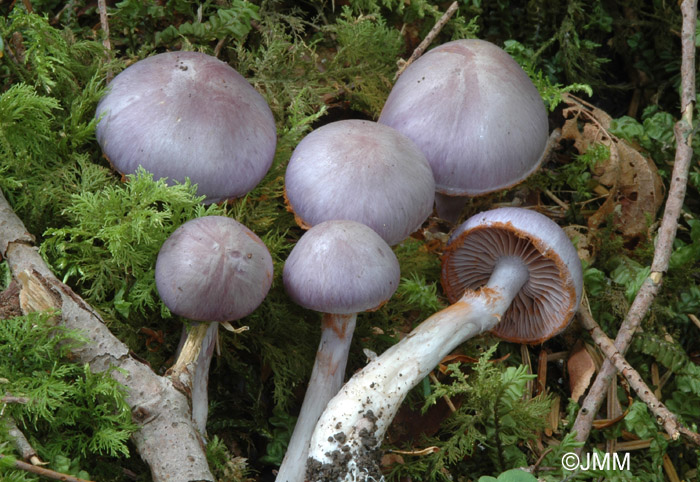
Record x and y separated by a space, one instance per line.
47 118
110 242
71 413
493 416
311 60
363 44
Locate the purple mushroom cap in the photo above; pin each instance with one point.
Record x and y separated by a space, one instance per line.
213 269
341 267
549 299
361 171
188 115
474 113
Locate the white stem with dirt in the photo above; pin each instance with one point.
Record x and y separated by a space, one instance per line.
346 439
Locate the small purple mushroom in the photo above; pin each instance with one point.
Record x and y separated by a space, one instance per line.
338 268
211 269
528 274
361 171
476 116
188 115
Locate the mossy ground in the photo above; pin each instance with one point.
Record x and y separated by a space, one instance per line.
314 62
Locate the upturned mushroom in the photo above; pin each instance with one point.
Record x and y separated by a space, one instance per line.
476 116
338 268
510 269
361 171
188 115
213 270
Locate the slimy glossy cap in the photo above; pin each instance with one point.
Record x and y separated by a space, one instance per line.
361 171
474 113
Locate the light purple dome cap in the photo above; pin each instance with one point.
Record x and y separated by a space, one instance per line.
474 113
213 268
341 267
361 171
549 299
188 114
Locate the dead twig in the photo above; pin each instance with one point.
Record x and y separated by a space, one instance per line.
49 474
22 445
12 399
167 439
663 415
536 467
403 64
104 24
447 400
667 231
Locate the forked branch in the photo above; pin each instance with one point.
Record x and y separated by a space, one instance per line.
167 439
667 231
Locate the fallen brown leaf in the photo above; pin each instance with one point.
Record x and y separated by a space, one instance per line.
581 368
634 187
554 417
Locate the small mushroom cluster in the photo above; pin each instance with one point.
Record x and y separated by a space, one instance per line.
357 187
510 270
188 115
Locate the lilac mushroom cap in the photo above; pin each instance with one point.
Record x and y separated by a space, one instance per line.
548 300
474 113
188 115
341 267
361 171
213 268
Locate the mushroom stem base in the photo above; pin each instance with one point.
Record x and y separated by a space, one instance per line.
191 370
345 443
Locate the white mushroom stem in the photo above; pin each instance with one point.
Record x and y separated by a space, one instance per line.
191 369
350 430
200 382
326 379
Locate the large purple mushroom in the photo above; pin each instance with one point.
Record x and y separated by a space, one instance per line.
361 171
188 115
338 268
476 116
213 270
509 269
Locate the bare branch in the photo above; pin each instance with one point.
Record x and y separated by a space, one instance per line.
167 439
11 399
663 415
667 231
428 39
104 24
22 445
49 474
